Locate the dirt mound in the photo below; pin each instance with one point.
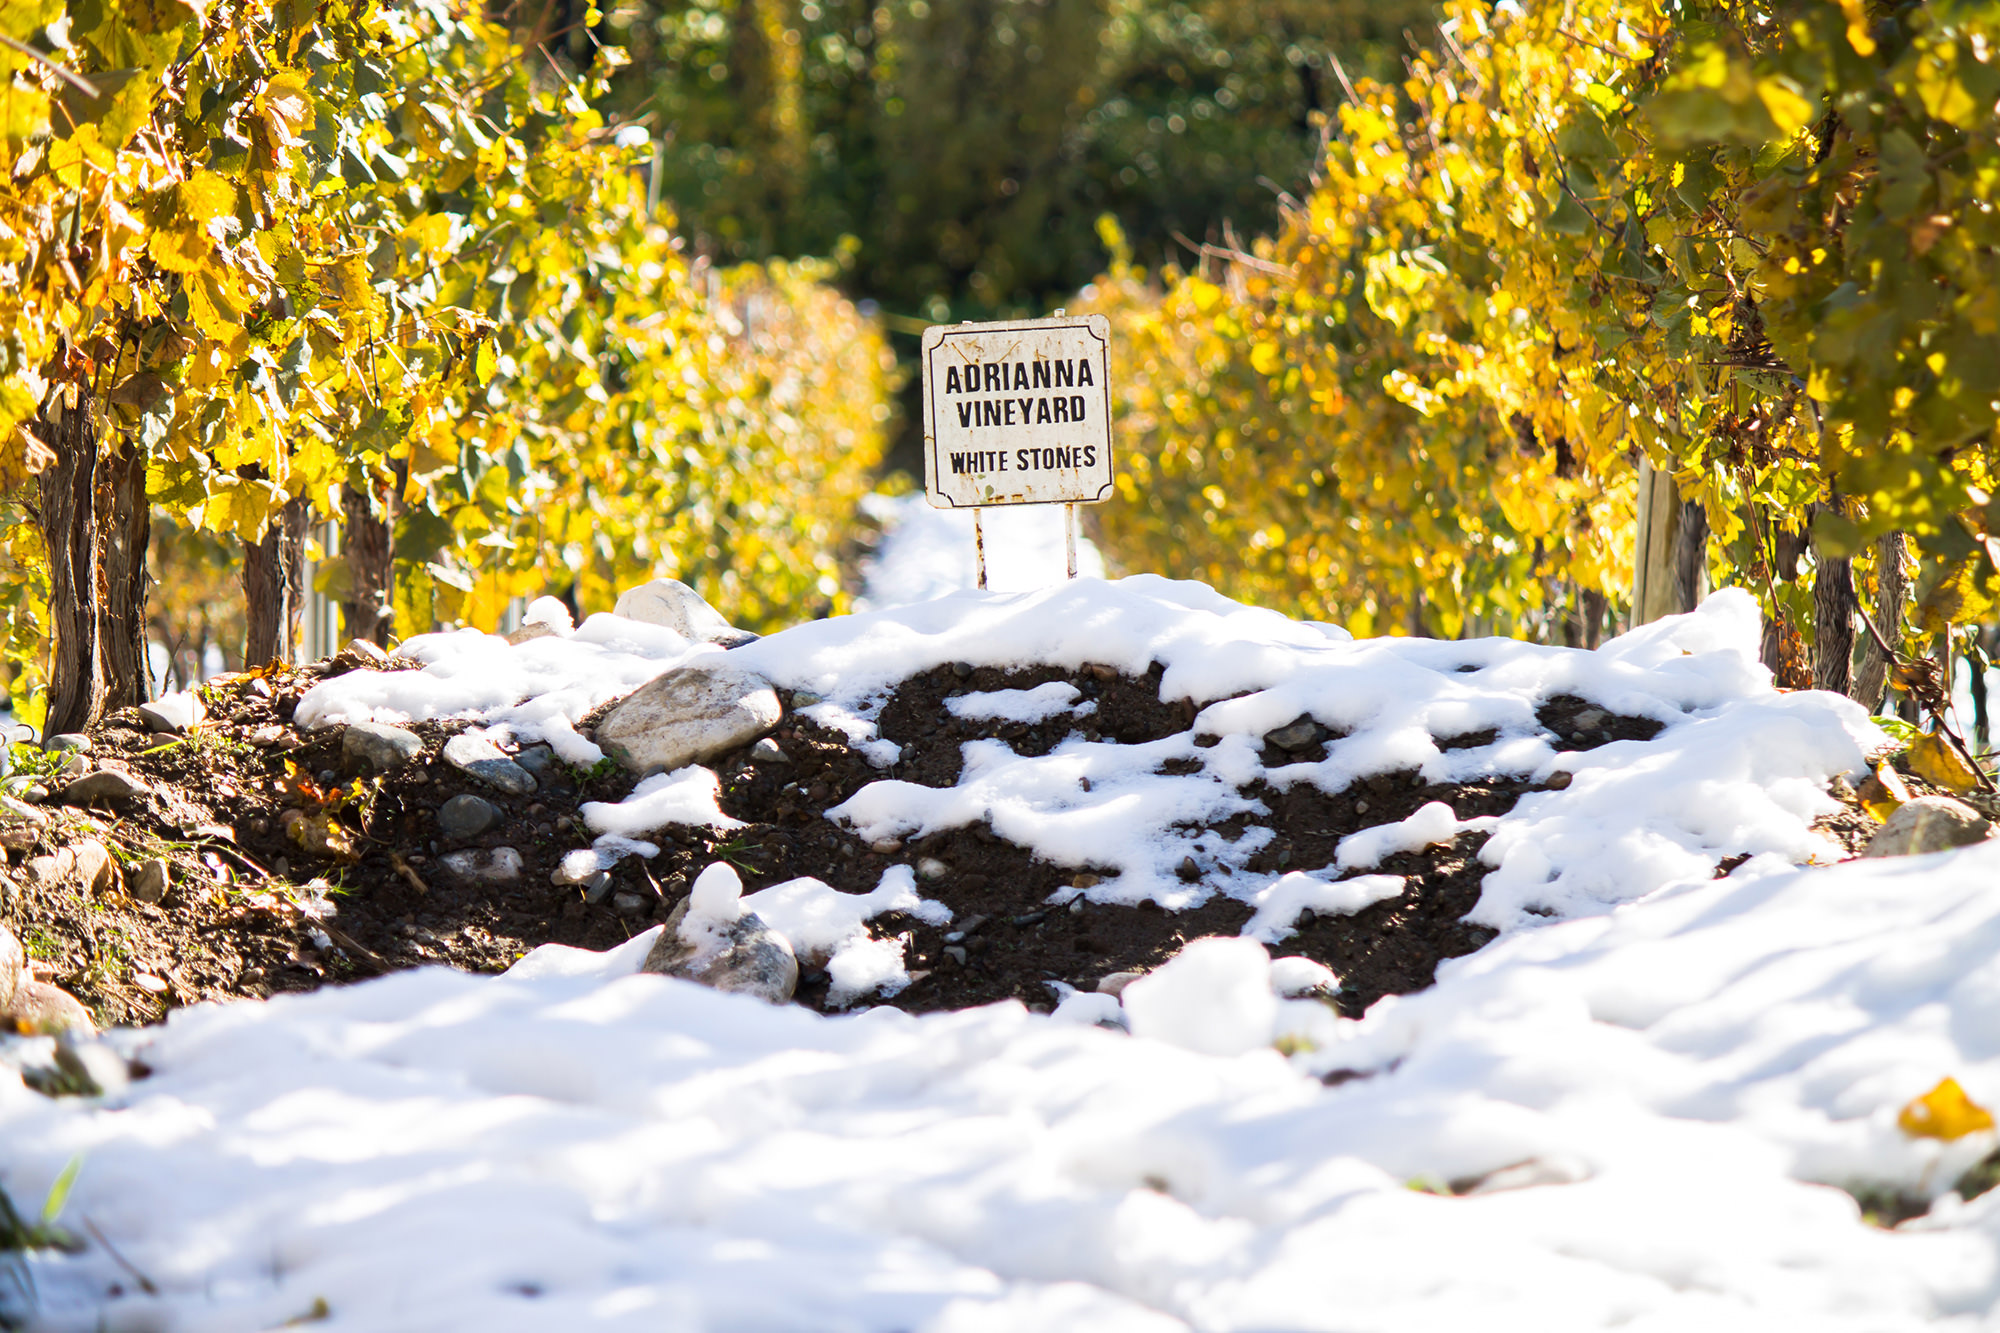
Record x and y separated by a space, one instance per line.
288 872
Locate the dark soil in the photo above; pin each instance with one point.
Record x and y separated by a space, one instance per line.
247 913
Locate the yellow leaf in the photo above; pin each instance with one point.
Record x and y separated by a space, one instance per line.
1883 792
286 107
213 307
1945 1112
206 196
1939 763
1781 99
180 247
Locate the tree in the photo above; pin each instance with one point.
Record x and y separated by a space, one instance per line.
1755 249
283 261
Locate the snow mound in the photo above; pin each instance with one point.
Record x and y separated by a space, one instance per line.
1641 1113
1736 767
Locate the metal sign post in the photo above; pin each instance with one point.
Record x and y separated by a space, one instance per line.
1018 413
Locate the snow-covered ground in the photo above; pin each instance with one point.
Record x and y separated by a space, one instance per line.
926 553
1646 1093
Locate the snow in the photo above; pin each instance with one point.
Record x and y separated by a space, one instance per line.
1037 705
689 796
1655 1098
926 553
1280 904
1214 996
1737 767
1642 1106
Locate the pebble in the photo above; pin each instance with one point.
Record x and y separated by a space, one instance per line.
491 865
468 816
1361 807
628 904
13 961
482 759
931 868
580 865
50 869
173 713
1590 719
1558 780
542 763
107 784
149 880
768 751
1188 869
807 698
886 846
71 740
95 1070
597 887
94 866
379 748
1115 984
268 735
1294 735
955 952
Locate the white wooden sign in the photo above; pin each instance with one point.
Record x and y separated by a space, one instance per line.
1017 413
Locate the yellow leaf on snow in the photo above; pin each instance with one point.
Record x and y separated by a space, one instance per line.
1945 1112
1939 763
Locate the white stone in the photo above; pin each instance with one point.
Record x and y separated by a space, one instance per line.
1928 824
688 715
673 604
40 1007
176 712
493 865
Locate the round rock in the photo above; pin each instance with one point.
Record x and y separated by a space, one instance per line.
149 880
378 748
106 784
688 715
489 865
1929 824
673 604
39 1007
468 816
480 758
746 956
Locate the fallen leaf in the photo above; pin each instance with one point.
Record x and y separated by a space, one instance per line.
1938 762
1945 1112
1883 792
319 834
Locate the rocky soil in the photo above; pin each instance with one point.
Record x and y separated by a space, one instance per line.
250 859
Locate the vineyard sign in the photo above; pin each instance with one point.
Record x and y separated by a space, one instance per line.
1017 413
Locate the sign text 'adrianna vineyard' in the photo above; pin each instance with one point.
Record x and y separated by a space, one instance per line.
1017 413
